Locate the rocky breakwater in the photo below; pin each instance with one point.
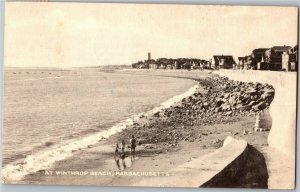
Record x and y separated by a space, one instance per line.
222 98
219 101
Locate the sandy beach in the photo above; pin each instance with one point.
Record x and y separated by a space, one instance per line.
164 142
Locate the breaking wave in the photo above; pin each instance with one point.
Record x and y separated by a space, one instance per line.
46 158
34 79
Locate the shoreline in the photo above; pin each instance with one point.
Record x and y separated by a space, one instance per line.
181 143
68 149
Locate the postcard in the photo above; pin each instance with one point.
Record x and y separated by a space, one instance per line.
153 95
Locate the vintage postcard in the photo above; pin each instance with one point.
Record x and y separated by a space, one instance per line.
154 95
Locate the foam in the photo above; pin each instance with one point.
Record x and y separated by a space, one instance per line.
34 79
46 158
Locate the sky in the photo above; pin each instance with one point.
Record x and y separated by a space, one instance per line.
40 34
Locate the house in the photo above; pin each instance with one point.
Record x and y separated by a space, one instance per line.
176 66
293 59
241 62
258 57
143 66
152 64
259 54
276 57
134 65
187 65
222 61
139 65
207 65
248 64
195 65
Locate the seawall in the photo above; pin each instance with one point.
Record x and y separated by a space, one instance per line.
283 108
282 136
235 165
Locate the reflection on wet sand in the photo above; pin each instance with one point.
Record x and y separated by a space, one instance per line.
122 164
122 160
121 155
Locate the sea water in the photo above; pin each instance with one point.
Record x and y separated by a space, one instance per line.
50 113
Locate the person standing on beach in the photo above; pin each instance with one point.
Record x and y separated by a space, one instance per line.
132 146
123 146
117 156
123 153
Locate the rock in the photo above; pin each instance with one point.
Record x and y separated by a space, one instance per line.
219 103
205 104
156 114
225 107
262 105
228 113
226 96
245 132
251 91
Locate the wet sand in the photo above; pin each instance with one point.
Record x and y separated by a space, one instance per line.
163 145
155 158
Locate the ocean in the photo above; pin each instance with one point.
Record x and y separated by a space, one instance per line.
61 110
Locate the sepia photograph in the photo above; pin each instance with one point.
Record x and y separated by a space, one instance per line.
150 95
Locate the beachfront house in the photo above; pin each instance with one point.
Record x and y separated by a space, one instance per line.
293 59
241 62
134 65
258 58
222 61
207 65
277 58
248 64
152 64
187 65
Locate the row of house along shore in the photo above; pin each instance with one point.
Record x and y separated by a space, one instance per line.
166 63
277 58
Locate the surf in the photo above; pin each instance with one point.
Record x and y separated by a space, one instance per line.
44 159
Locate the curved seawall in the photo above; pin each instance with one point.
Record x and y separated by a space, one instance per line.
283 111
283 108
236 164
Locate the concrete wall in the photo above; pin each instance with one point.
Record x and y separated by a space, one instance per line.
220 168
282 137
283 108
235 165
248 170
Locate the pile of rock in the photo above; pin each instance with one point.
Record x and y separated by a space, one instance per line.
235 96
222 98
220 101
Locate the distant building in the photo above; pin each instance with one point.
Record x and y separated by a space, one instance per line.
152 64
223 61
134 65
293 59
186 65
258 58
274 57
176 66
249 62
241 62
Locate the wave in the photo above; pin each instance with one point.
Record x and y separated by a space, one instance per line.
45 159
34 79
